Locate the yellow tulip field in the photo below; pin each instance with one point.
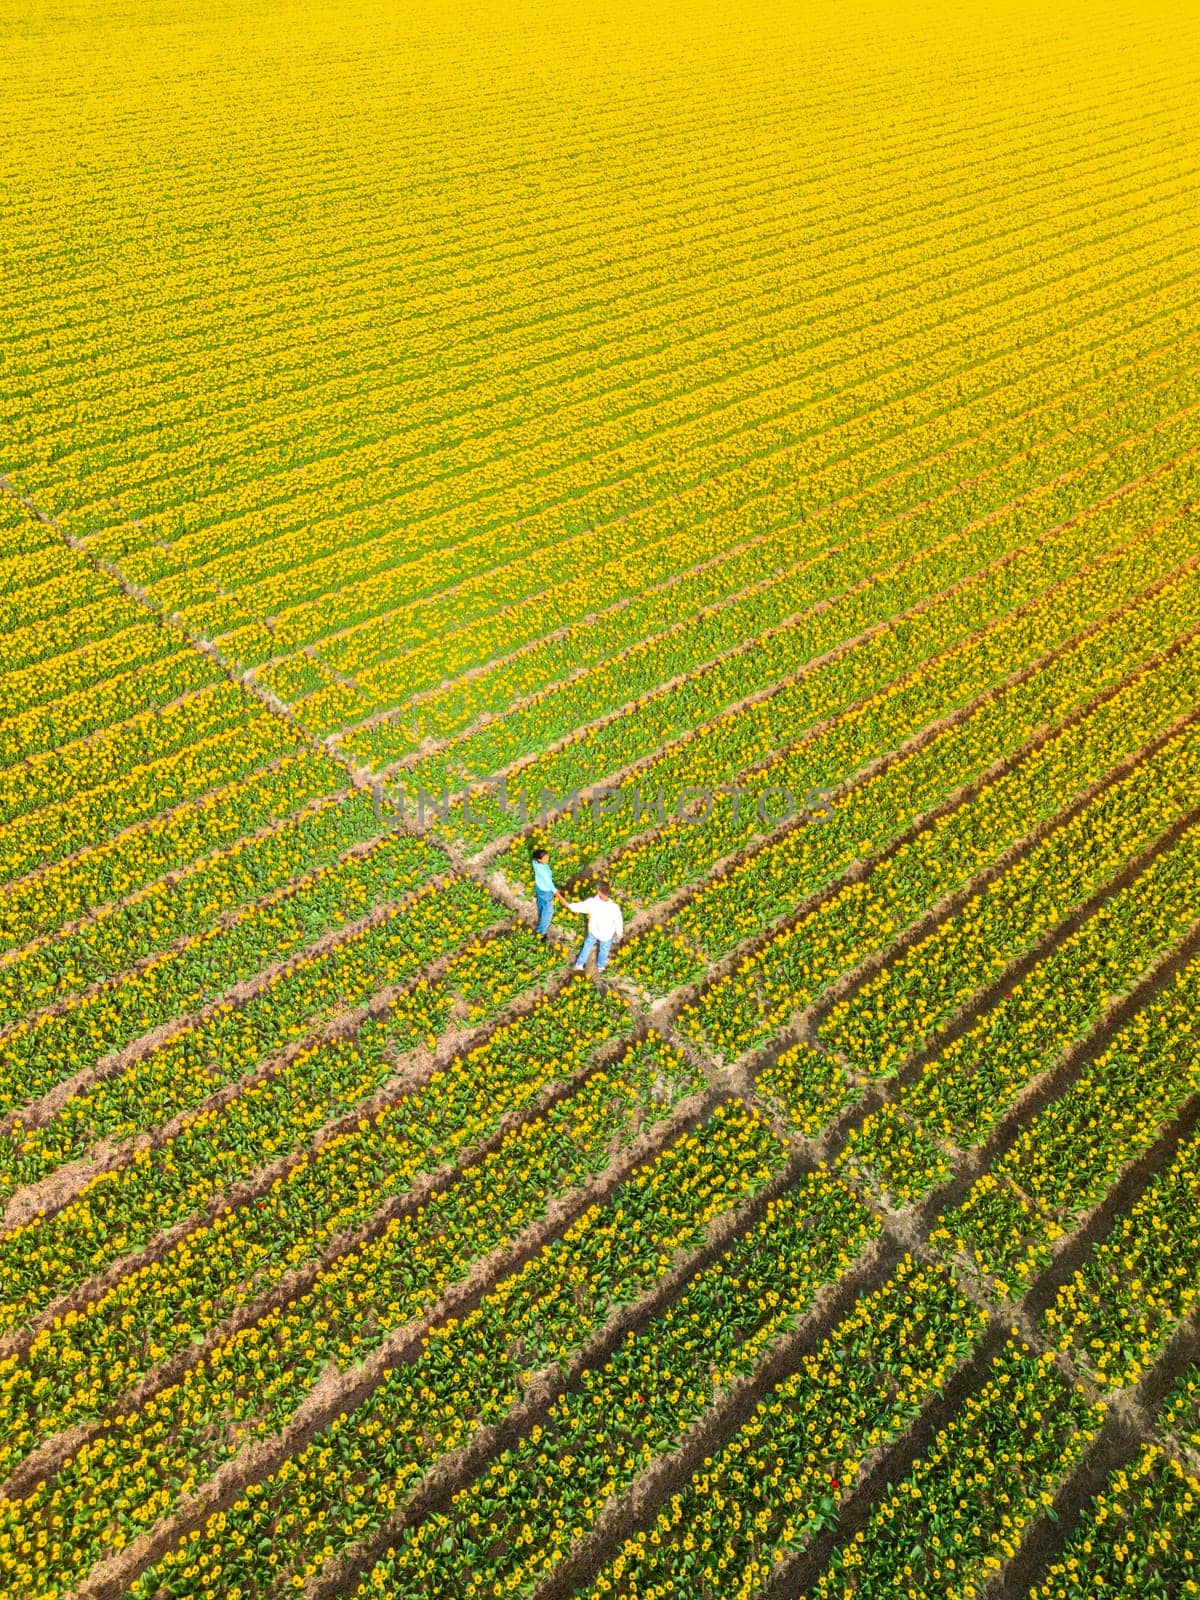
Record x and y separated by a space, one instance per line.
752 454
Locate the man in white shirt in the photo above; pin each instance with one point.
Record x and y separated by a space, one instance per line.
605 925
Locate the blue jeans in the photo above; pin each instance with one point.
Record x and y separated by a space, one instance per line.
601 947
545 905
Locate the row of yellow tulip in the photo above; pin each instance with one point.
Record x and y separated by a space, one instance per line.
805 1088
786 973
959 1097
43 588
897 1011
142 666
1139 1537
27 544
249 1385
1180 1411
990 457
627 669
742 900
537 557
1068 1156
327 567
964 1506
83 1360
30 561
786 1471
1117 1311
117 747
706 751
194 971
30 652
189 901
90 769
988 215
267 1119
986 236
69 669
230 1037
507 1531
110 869
350 1478
791 414
60 828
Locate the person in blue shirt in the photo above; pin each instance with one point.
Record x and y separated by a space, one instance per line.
544 890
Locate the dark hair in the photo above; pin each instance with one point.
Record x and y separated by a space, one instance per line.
540 853
602 887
